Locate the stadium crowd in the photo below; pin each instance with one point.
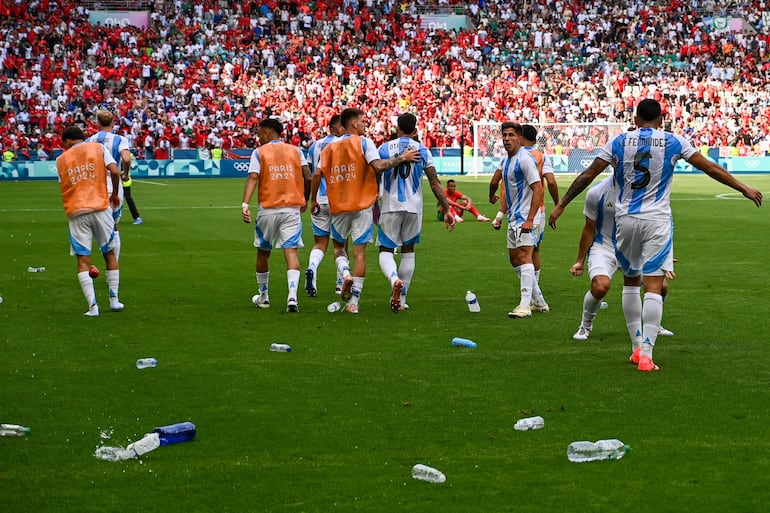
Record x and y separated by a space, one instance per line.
206 72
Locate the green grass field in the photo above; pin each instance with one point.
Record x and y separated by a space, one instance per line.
337 424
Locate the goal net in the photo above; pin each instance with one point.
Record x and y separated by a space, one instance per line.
570 146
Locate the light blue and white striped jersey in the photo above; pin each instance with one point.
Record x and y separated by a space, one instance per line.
314 158
519 173
600 207
401 187
644 161
114 144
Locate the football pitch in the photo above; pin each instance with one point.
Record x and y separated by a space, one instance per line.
337 424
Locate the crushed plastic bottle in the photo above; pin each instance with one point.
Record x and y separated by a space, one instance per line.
334 307
149 442
473 302
280 348
529 423
144 363
14 430
426 473
35 269
583 451
463 342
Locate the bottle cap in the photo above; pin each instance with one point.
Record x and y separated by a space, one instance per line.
627 448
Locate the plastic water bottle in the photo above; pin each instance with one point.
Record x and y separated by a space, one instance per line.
529 423
603 305
426 473
149 442
463 342
143 363
582 451
334 307
14 430
473 302
280 348
175 433
35 269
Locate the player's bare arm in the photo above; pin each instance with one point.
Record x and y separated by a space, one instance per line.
494 184
721 175
438 192
409 155
248 192
307 186
586 239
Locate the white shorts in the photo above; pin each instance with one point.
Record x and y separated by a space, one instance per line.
357 225
322 221
644 246
539 223
399 229
284 228
518 239
601 261
87 227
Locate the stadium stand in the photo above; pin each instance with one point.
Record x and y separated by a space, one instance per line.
204 73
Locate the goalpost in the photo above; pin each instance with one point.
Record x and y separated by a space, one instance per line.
570 146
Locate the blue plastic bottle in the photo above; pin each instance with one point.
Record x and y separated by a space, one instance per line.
176 433
463 342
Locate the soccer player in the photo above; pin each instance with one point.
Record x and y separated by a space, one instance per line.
460 203
117 146
83 169
400 223
643 161
596 242
545 170
351 166
523 193
321 220
280 174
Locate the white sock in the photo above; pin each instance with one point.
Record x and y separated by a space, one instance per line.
388 266
591 305
652 313
405 272
358 287
632 311
262 281
87 286
316 255
343 265
116 247
113 284
292 275
527 276
537 294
